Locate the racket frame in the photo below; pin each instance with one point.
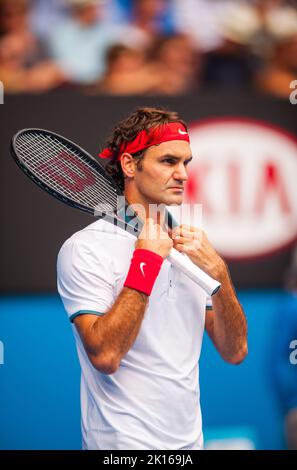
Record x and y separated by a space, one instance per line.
98 167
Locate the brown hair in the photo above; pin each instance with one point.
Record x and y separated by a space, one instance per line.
127 130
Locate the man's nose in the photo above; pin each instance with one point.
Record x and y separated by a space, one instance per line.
181 173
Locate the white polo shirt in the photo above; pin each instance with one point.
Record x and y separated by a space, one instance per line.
152 401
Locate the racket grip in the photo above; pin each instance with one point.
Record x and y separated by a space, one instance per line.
184 264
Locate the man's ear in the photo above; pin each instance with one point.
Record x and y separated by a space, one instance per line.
128 165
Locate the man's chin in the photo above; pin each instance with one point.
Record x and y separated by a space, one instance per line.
174 204
174 200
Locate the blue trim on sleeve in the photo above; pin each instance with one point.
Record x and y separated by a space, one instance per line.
209 307
82 312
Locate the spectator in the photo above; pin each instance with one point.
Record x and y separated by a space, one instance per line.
79 43
200 19
127 73
177 64
161 13
146 23
281 65
255 22
24 63
247 30
45 14
231 66
171 69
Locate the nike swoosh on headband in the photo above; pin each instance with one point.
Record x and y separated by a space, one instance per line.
182 132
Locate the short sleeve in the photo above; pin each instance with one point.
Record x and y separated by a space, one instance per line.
85 279
208 302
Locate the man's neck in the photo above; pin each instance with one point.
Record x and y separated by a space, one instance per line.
145 209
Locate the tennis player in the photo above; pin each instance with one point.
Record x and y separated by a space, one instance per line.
138 322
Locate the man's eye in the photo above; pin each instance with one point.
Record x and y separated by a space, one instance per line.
168 160
171 161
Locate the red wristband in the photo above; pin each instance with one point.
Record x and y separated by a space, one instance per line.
144 269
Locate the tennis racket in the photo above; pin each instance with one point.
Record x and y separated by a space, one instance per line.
70 174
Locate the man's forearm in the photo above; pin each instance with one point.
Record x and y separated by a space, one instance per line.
110 337
229 326
116 331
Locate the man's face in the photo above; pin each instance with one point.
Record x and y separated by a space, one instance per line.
164 173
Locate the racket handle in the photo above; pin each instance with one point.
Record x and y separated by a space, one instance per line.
184 264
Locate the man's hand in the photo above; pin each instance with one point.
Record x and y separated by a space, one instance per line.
154 238
194 243
225 323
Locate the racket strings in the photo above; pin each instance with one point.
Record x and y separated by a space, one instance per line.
36 152
38 157
57 148
109 190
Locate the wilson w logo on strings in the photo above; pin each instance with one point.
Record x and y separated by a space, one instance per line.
68 172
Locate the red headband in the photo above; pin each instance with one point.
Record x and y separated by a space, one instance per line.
155 136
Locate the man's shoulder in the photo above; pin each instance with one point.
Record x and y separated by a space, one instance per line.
99 244
98 235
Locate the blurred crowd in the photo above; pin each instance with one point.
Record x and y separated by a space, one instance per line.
160 47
